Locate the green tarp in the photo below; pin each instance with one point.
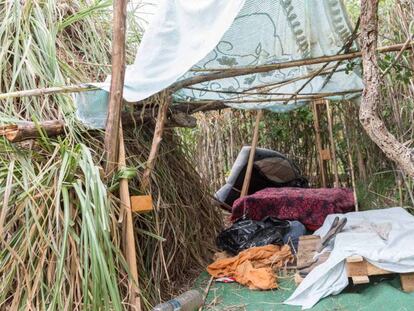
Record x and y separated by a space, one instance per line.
380 295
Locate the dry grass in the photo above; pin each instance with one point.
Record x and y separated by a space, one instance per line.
60 241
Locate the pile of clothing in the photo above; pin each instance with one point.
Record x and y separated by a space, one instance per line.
268 223
253 251
255 267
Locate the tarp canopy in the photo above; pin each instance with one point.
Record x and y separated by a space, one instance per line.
186 38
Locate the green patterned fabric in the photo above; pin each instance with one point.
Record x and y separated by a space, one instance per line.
276 31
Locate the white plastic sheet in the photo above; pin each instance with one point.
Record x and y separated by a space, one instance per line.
392 251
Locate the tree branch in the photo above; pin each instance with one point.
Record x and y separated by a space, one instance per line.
371 96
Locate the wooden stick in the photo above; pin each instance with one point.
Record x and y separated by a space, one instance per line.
318 142
351 163
117 85
285 100
49 91
128 231
29 130
397 58
332 142
165 99
206 290
294 95
176 118
249 169
234 72
229 73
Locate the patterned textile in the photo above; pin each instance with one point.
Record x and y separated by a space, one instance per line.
309 206
216 35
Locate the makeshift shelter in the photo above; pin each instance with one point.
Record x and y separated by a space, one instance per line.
273 55
170 49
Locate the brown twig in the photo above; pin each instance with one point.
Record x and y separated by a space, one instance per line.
164 103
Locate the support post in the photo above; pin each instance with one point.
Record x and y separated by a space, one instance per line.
114 144
318 142
351 164
128 231
249 169
332 142
117 85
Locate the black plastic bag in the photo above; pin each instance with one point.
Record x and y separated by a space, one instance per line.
251 233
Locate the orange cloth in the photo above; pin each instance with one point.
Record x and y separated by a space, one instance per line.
254 267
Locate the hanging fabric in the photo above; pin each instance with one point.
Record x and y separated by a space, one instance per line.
186 37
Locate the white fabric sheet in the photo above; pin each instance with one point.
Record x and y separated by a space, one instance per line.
180 34
383 237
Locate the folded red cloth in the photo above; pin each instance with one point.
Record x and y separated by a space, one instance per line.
307 205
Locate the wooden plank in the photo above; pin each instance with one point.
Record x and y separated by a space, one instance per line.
373 270
249 169
358 266
360 280
355 258
407 282
356 269
141 203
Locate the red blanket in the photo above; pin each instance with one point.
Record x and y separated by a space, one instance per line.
309 206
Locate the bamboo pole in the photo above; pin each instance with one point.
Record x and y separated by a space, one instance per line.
332 142
117 85
114 140
318 142
249 169
128 231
